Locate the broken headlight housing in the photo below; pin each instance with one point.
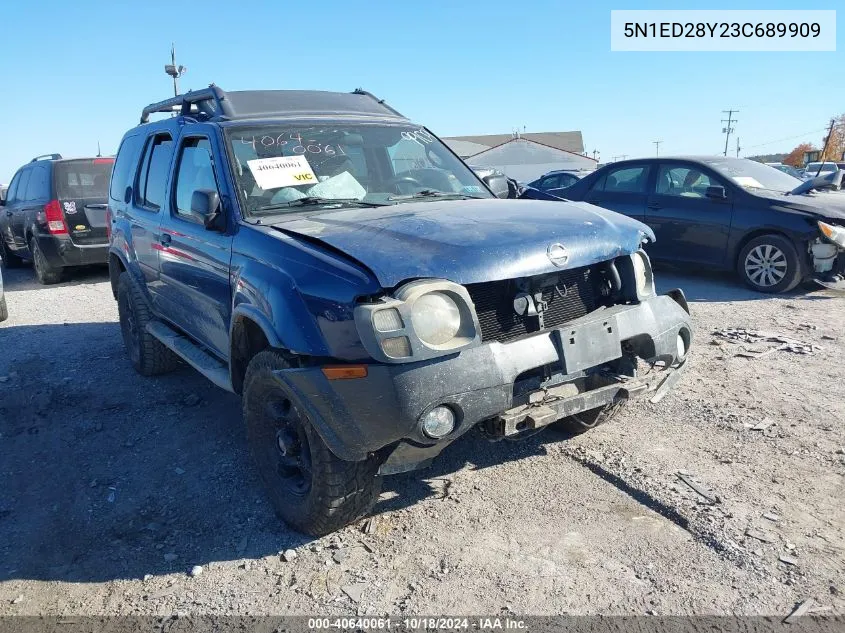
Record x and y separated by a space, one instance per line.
423 319
835 234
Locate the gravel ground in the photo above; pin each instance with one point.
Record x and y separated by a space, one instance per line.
126 495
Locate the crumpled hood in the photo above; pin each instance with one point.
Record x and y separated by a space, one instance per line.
825 205
470 241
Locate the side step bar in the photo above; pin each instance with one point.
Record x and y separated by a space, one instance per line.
204 363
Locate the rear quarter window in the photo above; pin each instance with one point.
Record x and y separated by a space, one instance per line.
82 179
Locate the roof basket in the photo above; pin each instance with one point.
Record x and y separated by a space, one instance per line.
211 101
46 157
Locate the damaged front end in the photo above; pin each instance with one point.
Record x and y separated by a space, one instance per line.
827 253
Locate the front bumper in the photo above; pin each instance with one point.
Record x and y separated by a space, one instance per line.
357 417
61 252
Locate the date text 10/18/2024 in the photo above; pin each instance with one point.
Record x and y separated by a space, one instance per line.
417 623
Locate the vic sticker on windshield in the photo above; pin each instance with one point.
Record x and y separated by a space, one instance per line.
282 171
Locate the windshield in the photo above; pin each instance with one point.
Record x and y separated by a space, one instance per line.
753 175
353 163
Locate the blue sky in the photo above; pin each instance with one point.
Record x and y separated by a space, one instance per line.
80 72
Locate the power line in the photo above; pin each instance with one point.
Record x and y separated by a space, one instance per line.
727 130
789 138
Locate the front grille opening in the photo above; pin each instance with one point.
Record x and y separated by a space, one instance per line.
567 295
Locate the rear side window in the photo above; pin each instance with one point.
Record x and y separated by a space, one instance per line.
121 174
39 182
624 180
10 194
20 194
80 179
152 179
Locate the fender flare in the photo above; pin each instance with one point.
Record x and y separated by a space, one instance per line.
251 312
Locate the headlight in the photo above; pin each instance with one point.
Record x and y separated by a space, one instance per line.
835 234
422 319
436 318
642 274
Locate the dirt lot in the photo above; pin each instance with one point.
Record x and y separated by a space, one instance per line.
113 487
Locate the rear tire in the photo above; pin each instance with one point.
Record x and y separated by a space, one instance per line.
10 260
44 272
588 420
311 489
149 356
769 263
4 310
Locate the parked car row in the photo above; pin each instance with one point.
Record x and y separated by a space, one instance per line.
723 213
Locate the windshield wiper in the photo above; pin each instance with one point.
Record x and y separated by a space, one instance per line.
433 193
316 200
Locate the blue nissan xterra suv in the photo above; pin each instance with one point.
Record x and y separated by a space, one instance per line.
367 294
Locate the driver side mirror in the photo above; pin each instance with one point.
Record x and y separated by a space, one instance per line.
716 192
498 184
205 206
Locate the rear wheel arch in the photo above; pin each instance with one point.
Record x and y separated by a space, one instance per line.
116 267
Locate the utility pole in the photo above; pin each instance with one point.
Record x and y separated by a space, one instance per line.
737 147
824 149
657 147
174 71
728 129
595 151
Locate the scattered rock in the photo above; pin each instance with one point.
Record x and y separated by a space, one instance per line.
788 560
196 570
354 591
288 555
799 611
369 525
19 599
771 516
828 337
763 424
759 535
169 557
148 577
840 451
340 555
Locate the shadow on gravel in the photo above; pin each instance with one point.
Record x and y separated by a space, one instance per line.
714 287
15 279
109 475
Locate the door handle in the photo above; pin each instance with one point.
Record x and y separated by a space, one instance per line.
654 205
164 238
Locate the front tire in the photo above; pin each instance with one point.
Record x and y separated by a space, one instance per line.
311 489
769 263
149 356
44 272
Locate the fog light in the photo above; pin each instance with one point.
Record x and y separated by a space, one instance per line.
682 346
388 320
438 422
396 347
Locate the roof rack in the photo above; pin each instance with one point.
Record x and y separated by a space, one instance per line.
215 104
211 100
46 157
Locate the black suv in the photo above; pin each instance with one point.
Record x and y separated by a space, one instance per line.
367 293
54 215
